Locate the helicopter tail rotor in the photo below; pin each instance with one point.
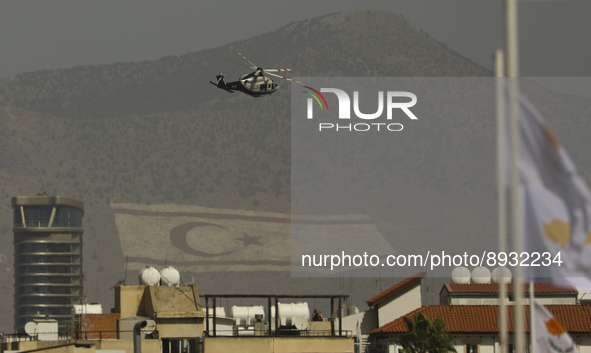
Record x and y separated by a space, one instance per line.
221 76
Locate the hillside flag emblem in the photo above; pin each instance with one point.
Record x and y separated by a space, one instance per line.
199 239
550 336
556 205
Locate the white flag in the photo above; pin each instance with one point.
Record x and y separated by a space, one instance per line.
198 239
550 336
556 206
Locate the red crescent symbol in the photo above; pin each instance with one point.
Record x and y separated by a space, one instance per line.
178 238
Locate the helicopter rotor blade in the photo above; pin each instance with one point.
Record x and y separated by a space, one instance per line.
286 78
277 70
258 71
244 57
234 62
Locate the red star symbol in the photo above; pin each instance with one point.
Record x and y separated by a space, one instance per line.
248 240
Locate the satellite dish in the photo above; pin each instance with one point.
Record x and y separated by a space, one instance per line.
460 275
31 328
481 275
501 272
149 328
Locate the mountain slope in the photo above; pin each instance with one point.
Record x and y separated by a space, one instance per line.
358 43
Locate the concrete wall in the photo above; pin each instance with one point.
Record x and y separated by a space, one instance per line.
278 344
70 349
148 345
475 301
495 301
130 301
400 305
32 345
83 346
184 327
321 328
486 344
178 315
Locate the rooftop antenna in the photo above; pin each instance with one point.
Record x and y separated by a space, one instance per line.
125 278
350 288
432 279
117 284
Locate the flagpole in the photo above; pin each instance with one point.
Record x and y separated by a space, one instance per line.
532 323
513 74
499 59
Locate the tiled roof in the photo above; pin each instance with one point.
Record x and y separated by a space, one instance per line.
494 288
483 319
397 288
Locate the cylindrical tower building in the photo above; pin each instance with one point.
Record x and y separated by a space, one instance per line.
47 259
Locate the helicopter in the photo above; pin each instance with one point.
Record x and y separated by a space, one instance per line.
254 84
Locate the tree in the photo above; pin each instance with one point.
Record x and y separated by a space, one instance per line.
425 336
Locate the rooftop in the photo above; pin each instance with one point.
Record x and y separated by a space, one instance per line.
494 288
483 319
397 288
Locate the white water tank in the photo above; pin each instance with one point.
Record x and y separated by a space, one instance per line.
292 314
245 315
460 275
170 276
82 309
47 330
352 310
245 331
219 311
481 275
149 276
501 272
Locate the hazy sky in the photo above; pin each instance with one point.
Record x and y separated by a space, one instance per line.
50 34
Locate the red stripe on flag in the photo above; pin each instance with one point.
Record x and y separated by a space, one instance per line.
227 216
147 260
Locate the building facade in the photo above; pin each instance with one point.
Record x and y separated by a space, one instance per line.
471 314
47 259
488 294
475 328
